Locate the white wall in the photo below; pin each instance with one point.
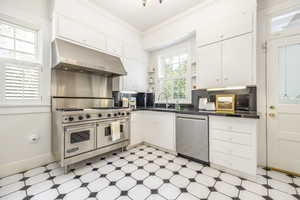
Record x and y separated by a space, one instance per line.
184 24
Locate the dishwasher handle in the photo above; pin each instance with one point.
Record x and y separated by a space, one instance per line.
191 117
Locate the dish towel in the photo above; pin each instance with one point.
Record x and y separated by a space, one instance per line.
115 129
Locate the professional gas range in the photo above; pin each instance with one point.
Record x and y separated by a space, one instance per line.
79 134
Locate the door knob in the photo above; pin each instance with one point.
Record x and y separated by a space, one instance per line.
272 115
272 107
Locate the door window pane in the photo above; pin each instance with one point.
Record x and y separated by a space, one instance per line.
289 61
6 43
25 35
25 47
6 30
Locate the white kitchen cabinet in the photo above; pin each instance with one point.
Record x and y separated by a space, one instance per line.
157 128
71 30
237 61
222 28
160 129
227 63
137 128
210 66
233 143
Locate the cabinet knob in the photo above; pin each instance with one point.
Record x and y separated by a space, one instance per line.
272 115
272 107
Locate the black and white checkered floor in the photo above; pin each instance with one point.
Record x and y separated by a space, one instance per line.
145 173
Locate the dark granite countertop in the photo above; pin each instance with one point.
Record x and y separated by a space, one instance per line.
193 111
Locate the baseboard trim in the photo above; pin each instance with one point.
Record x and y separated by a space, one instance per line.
23 165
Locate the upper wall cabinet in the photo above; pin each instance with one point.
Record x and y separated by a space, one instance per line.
227 63
224 28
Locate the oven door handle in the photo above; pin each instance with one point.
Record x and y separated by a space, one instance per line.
79 127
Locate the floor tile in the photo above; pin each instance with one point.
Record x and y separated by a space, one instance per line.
254 187
39 187
246 195
151 167
161 161
47 195
180 181
279 176
10 179
106 169
90 177
139 192
19 195
186 196
63 178
140 162
57 171
181 161
53 165
159 153
129 168
99 164
11 188
37 179
78 194
150 157
210 172
155 197
69 186
83 170
126 183
140 174
227 189
173 166
112 158
98 185
164 173
35 171
233 180
169 191
198 190
277 195
194 166
115 175
109 193
120 163
153 182
188 173
218 196
205 180
283 187
131 157
169 156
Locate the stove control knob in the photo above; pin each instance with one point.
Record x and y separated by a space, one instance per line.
108 115
128 113
99 115
123 114
119 113
88 116
71 119
80 117
115 114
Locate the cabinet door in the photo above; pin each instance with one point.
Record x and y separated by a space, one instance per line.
238 61
209 32
210 66
137 126
160 130
240 23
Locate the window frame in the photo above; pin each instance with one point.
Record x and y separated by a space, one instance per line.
39 61
176 50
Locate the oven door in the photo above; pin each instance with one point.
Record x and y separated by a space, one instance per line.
104 133
79 139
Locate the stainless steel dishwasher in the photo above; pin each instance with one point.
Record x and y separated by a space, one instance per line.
192 136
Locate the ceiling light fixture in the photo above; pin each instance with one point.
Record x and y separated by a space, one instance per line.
145 2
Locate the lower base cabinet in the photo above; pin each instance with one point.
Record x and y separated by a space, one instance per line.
157 128
233 143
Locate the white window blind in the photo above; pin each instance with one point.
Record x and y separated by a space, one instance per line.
19 65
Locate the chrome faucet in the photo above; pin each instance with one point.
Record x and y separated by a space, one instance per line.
166 96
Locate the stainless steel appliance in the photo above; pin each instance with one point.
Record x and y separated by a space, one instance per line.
192 136
79 134
82 102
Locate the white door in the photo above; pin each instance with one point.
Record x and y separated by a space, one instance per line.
210 66
237 61
283 74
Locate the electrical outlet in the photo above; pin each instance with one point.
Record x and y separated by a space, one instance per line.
34 138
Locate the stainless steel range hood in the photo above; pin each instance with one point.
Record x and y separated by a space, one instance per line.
72 57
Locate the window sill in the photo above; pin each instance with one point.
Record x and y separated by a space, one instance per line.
24 109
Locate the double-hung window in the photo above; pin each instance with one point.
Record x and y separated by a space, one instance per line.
20 68
173 85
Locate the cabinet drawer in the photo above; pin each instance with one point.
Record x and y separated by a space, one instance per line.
232 162
233 124
231 149
232 137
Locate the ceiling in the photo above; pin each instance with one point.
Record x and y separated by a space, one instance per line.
143 18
